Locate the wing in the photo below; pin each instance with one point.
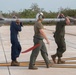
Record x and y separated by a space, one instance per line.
28 20
71 18
8 20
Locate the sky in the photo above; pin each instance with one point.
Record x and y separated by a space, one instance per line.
48 5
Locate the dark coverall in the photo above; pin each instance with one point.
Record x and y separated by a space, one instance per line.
38 39
16 47
59 38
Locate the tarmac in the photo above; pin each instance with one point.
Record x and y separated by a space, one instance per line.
26 40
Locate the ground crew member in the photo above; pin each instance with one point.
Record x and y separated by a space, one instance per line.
59 39
15 27
38 39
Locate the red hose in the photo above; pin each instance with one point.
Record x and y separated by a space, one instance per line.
32 48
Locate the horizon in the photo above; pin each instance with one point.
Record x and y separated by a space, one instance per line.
7 6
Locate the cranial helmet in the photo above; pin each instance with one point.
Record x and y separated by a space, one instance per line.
39 16
14 16
61 15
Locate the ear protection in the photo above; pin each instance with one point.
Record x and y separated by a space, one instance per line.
61 16
40 16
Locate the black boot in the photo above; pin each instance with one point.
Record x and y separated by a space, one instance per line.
49 65
60 61
54 58
33 67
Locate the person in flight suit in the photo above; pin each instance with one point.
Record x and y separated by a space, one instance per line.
59 39
39 35
15 28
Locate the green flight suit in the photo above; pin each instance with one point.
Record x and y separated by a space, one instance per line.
38 39
59 38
